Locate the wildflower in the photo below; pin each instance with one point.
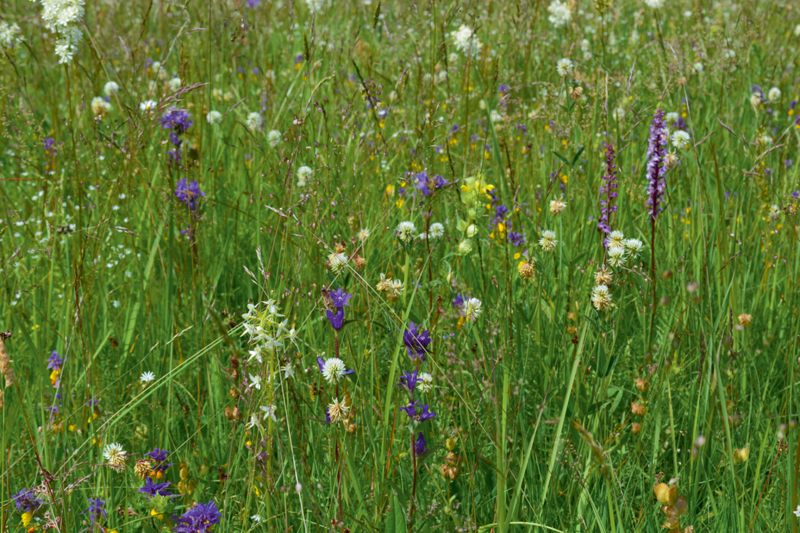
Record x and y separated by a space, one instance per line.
797 511
337 262
601 298
548 241
304 173
655 155
603 276
471 309
405 231
143 468
557 206
526 270
774 94
670 160
159 457
615 239
255 381
608 192
428 185
672 118
63 17
616 256
638 409
189 193
436 230
564 67
655 4
416 343
741 455
146 378
420 447
422 416
337 411
425 382
745 319
174 84
198 519
8 36
317 6
214 117
408 380
177 119
114 455
95 509
26 501
633 247
100 106
515 238
392 287
465 41
148 105
560 14
774 211
269 411
152 489
254 121
333 370
111 88
680 139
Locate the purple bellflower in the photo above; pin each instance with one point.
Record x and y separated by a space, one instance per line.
189 193
416 342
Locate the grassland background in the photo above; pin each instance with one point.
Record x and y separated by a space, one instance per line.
94 266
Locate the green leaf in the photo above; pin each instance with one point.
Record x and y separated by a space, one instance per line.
561 157
577 155
396 520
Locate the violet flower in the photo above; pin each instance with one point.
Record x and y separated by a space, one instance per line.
177 119
189 193
608 192
198 519
340 299
50 146
408 381
95 509
411 411
159 457
26 501
55 362
656 152
420 447
416 342
152 489
427 185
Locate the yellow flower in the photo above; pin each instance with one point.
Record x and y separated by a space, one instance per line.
26 519
156 514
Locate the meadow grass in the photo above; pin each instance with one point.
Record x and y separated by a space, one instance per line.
132 242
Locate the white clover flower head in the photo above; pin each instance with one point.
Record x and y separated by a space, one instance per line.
671 118
406 231
655 4
303 175
148 106
560 13
334 370
774 94
774 211
557 206
425 383
337 411
114 454
548 241
274 138
111 88
146 377
755 100
174 84
616 256
363 235
633 246
615 239
214 117
564 67
464 247
680 139
471 309
601 298
100 106
436 230
254 121
337 262
465 41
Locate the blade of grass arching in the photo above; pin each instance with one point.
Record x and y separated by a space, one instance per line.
560 428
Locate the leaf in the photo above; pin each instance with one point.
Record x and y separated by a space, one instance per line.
577 155
396 520
561 157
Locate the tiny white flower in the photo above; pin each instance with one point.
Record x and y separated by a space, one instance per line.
111 88
174 84
615 239
254 422
774 211
255 381
214 117
425 382
303 175
146 377
633 246
269 412
797 511
363 235
148 105
560 13
288 369
698 67
465 41
436 230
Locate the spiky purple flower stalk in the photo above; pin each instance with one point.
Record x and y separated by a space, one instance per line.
608 192
656 152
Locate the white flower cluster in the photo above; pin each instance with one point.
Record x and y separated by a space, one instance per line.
9 36
62 17
560 14
466 42
266 331
619 248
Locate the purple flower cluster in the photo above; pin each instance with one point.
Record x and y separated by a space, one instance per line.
159 457
188 193
608 192
95 509
340 299
55 362
178 120
26 502
656 152
198 519
427 185
421 416
416 342
50 147
152 489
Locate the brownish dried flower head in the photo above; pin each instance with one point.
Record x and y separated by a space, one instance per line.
526 270
745 319
638 409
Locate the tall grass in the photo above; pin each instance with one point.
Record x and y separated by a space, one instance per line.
104 264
